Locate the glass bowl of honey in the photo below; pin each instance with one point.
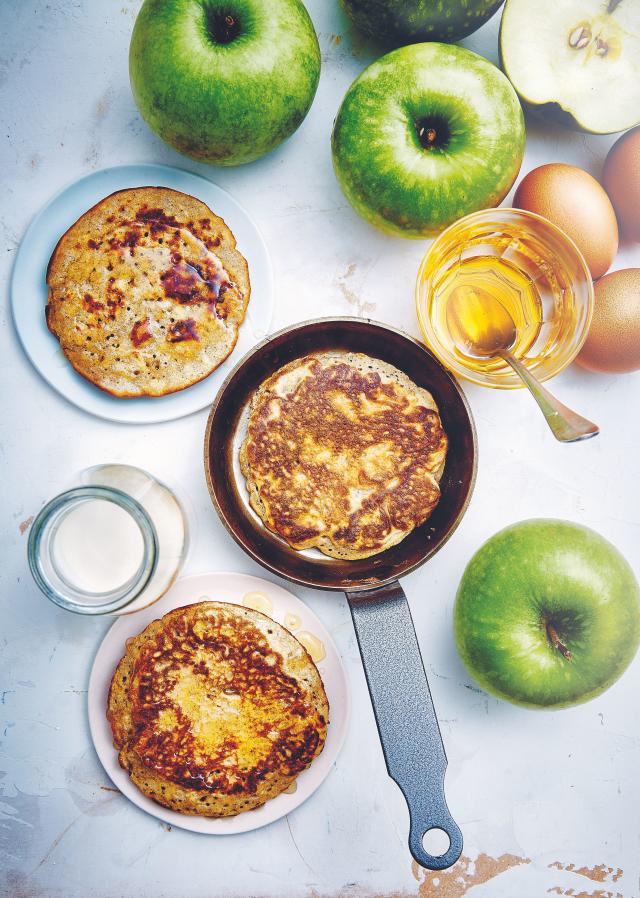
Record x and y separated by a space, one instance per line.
534 270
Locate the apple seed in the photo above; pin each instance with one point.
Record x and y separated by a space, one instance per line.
580 37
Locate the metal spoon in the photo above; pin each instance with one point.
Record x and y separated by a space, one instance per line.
482 327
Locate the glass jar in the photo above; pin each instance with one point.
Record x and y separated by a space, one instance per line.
532 268
112 544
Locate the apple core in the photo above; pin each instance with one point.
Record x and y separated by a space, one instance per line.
568 60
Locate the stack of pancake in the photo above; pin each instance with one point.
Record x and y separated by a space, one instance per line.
215 709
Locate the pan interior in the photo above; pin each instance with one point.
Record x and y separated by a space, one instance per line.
227 428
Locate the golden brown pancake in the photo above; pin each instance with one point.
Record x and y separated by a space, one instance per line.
147 292
343 452
215 709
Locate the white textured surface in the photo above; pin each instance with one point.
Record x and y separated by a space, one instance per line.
552 787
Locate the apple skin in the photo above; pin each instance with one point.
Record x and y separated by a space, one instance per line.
224 103
397 22
542 573
386 173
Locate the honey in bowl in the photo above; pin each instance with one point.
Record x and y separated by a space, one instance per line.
533 270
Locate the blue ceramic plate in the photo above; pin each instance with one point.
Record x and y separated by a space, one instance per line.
29 291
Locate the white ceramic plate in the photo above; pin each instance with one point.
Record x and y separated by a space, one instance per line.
227 588
29 291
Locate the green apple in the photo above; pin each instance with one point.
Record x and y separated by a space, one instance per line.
224 81
575 61
425 135
397 22
547 614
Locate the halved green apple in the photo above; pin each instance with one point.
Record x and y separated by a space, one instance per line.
576 60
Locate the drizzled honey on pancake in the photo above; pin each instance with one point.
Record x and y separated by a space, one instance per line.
215 709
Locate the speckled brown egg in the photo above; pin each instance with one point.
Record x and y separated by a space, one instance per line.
577 203
621 179
613 341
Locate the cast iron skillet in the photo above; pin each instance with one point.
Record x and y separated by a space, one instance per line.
402 703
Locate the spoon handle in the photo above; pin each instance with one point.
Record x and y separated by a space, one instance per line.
566 426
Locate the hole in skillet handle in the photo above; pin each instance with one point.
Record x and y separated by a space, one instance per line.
436 841
437 847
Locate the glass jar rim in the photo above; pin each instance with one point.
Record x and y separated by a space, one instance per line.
505 212
117 599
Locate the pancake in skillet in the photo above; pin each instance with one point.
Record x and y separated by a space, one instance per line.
343 452
147 292
215 709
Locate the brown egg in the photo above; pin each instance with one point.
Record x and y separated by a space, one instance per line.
613 341
621 179
573 200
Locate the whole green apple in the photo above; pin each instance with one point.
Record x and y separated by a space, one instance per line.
397 22
547 614
224 81
425 135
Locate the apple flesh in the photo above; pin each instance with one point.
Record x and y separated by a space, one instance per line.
547 614
576 61
397 22
425 135
224 81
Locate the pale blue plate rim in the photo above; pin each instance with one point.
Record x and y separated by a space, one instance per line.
28 273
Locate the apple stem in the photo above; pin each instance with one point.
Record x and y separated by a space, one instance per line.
557 643
427 137
612 5
433 132
224 28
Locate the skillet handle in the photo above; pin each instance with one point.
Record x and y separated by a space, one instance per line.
405 715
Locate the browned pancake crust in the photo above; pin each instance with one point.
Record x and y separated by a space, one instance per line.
147 292
215 709
346 459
